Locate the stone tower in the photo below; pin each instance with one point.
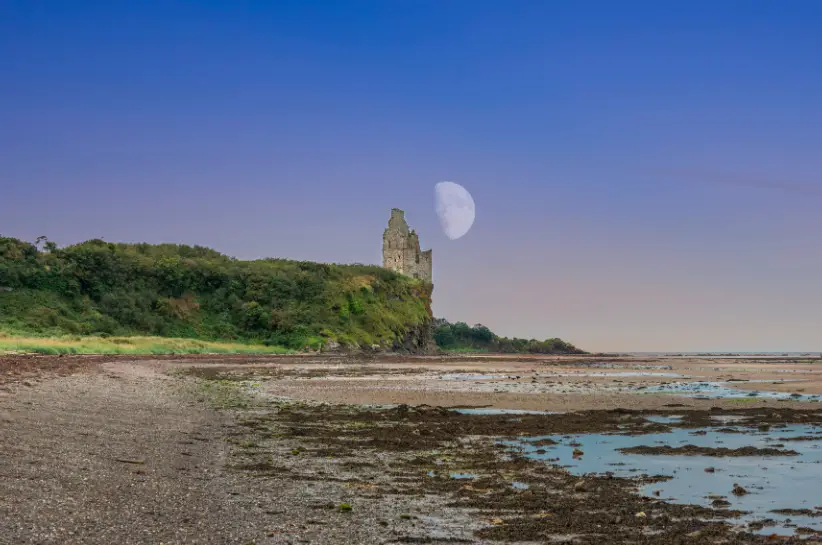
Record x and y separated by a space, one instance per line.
401 249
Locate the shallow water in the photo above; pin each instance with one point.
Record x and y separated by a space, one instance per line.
671 419
492 411
463 475
716 390
767 380
456 475
729 354
627 366
728 418
620 374
471 376
773 482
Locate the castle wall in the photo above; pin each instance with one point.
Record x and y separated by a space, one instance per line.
426 266
401 249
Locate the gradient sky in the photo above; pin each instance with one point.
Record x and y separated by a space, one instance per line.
646 174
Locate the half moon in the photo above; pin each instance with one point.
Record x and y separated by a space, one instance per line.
455 208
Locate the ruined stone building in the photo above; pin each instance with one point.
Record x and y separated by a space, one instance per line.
401 249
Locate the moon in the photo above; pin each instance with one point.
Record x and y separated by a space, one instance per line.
455 208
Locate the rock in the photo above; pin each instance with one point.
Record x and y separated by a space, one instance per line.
580 487
738 490
130 461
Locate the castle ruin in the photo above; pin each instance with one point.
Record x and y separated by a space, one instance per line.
401 249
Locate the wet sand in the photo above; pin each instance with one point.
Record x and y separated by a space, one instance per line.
540 382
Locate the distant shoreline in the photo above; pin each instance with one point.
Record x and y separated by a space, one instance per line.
724 354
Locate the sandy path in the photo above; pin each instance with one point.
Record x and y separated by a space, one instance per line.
67 447
60 482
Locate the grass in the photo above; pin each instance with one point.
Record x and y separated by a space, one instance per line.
223 395
11 343
466 350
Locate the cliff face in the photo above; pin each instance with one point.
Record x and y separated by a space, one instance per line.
419 338
182 291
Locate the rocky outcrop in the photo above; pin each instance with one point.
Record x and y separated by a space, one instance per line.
417 340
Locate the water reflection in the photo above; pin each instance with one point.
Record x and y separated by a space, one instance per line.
773 482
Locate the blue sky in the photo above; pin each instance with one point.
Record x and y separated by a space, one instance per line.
646 174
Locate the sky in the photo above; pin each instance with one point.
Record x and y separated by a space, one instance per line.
646 174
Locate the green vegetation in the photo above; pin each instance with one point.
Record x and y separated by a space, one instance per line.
460 337
76 344
104 290
222 394
106 298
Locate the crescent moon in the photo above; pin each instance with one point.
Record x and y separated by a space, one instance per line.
455 208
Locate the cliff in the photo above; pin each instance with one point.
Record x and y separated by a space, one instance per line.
169 290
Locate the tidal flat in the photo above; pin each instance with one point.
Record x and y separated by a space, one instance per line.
342 449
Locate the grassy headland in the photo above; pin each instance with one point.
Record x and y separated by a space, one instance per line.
100 297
